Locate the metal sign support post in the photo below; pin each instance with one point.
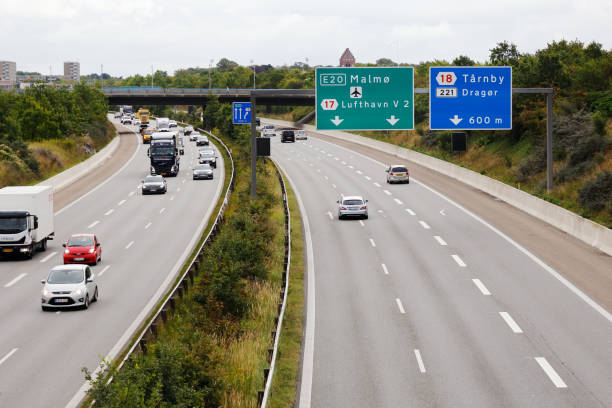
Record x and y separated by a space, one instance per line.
549 142
253 149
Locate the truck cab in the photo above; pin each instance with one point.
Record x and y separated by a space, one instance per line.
164 154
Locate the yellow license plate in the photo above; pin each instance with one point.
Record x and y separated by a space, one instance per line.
7 250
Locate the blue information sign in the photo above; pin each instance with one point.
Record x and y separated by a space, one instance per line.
242 113
470 98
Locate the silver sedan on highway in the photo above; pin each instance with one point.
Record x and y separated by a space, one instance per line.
69 286
352 206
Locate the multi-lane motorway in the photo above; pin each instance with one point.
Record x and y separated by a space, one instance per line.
144 241
427 305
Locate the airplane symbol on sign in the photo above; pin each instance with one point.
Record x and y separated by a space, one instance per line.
356 92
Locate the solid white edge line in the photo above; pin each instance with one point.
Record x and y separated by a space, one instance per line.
93 224
14 281
510 322
309 331
483 289
46 258
440 240
104 270
107 180
598 308
400 306
417 354
424 225
373 243
550 372
8 355
385 270
459 260
79 396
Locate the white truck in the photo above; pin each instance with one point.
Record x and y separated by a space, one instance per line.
26 219
163 124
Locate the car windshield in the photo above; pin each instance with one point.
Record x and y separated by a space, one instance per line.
13 225
202 167
154 179
352 202
80 241
66 276
207 153
399 169
162 151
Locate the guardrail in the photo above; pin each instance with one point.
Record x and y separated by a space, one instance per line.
262 396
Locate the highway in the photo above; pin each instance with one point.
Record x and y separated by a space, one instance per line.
425 304
144 241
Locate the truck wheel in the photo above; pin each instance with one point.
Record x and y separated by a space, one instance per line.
43 245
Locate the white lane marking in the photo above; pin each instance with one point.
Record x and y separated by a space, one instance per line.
326 178
442 212
359 172
318 170
14 281
331 217
376 184
372 242
424 225
333 185
417 354
311 165
8 355
322 151
351 167
398 201
482 287
109 212
409 211
343 162
58 312
440 240
335 158
121 202
459 261
387 192
131 193
361 223
400 306
162 210
104 270
368 178
184 181
384 268
129 245
510 322
178 189
171 198
329 155
46 258
93 224
550 372
148 225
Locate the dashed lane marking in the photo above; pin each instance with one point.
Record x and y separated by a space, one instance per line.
510 322
550 372
400 306
93 224
483 289
440 240
14 281
46 258
424 225
459 261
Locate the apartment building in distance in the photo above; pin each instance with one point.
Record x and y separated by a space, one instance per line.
8 71
72 71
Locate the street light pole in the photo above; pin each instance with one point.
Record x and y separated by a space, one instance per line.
254 73
102 75
151 76
209 69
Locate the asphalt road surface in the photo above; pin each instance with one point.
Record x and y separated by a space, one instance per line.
144 239
427 305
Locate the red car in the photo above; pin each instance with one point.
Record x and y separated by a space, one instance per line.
82 248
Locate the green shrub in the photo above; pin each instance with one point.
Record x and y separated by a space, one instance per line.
596 194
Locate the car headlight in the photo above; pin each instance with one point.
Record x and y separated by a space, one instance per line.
66 251
46 293
78 292
91 251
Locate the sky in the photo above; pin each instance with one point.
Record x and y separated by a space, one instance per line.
130 37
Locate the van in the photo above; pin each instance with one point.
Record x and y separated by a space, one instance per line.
287 136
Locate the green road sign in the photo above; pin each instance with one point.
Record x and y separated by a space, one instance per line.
365 98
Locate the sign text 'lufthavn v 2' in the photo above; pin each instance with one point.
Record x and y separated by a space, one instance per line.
365 98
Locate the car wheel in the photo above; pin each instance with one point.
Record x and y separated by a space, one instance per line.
388 182
95 296
86 305
407 181
340 216
45 308
365 216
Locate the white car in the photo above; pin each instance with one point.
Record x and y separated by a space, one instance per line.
397 173
69 286
300 134
268 131
136 121
188 129
193 136
352 206
172 124
126 120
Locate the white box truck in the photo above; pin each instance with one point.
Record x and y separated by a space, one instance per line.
26 219
163 124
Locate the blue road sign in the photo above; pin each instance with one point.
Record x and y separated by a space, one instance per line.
242 113
470 98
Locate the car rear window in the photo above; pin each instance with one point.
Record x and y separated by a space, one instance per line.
352 202
399 169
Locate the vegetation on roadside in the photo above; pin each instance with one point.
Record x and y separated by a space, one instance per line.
213 348
44 130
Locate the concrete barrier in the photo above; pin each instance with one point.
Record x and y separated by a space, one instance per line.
69 176
573 224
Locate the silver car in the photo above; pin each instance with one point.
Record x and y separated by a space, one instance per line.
69 286
154 184
202 171
352 206
397 173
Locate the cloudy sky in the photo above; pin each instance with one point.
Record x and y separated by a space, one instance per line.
129 37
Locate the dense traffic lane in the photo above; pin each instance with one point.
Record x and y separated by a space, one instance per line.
479 322
143 238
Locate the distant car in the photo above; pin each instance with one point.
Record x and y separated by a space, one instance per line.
202 171
117 115
154 184
397 173
352 206
181 145
69 286
136 121
82 249
300 134
188 129
202 140
193 136
125 120
172 124
288 136
208 156
268 131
